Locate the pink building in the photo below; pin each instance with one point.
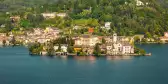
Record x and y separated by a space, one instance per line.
165 37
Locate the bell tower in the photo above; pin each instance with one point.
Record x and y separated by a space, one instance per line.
115 37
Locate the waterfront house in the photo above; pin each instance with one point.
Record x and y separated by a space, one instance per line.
86 43
64 48
164 38
43 53
127 48
3 39
117 46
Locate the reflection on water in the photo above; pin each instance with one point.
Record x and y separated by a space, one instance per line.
91 58
118 57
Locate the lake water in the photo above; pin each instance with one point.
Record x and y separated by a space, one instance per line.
17 67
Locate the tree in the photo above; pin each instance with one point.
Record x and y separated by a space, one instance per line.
137 39
4 42
148 35
50 49
140 51
70 49
35 49
59 48
97 50
103 41
13 41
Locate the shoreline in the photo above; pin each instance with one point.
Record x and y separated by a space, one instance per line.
102 55
74 54
152 43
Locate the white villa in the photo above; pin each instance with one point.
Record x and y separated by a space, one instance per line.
106 25
140 3
63 48
49 15
62 15
53 15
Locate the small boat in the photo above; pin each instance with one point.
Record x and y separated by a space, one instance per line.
149 54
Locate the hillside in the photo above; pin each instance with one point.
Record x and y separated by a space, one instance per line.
126 17
12 5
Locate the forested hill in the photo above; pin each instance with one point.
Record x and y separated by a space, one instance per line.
12 5
9 5
126 17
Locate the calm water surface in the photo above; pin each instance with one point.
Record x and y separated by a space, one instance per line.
17 67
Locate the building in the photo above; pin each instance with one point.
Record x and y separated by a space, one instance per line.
15 18
62 15
87 40
164 38
49 15
127 48
42 40
140 37
64 48
140 3
107 25
117 46
39 35
86 43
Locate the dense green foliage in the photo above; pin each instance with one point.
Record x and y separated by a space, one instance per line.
35 49
127 19
140 51
97 50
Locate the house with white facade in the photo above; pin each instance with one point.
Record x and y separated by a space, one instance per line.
64 48
49 15
106 25
62 15
140 3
